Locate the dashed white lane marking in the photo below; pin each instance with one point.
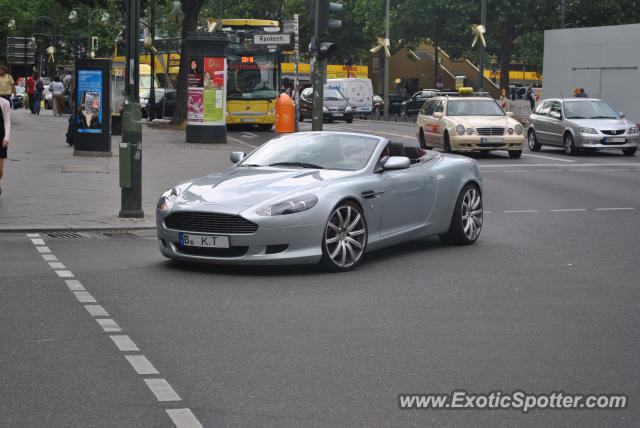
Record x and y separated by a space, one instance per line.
84 297
57 265
516 170
124 343
250 134
393 134
64 273
568 210
529 155
49 258
521 211
542 165
614 169
615 209
33 235
183 418
162 390
108 325
141 365
43 249
37 241
96 311
548 170
582 170
74 285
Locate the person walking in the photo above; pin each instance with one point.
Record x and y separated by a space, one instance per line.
57 96
39 89
504 100
5 132
30 90
7 85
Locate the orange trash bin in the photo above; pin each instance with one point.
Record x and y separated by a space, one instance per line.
285 114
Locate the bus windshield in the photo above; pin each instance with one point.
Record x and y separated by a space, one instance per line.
251 76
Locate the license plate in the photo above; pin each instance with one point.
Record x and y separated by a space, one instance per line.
615 140
245 120
207 241
337 114
491 140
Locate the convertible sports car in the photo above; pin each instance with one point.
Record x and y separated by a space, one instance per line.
323 197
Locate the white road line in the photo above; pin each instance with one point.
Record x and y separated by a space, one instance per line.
64 273
393 134
44 249
239 141
615 209
529 155
37 241
96 310
183 418
614 169
568 210
74 285
582 170
524 165
84 297
141 365
33 235
250 134
521 211
108 325
549 170
49 258
56 265
517 170
162 390
124 343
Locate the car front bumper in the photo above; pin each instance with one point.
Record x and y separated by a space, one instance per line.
462 143
303 246
593 141
335 115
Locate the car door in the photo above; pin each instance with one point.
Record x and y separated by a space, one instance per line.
407 199
540 122
416 104
425 121
555 126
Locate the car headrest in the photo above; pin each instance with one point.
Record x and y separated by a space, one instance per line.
412 152
396 149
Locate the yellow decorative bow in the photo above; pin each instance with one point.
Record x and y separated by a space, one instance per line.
212 23
382 43
478 31
50 51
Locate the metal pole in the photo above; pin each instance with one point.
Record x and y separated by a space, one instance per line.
219 16
386 61
563 9
151 102
316 73
483 21
296 63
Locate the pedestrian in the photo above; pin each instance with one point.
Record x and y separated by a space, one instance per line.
576 92
529 97
7 85
583 94
39 89
57 96
5 132
504 100
30 90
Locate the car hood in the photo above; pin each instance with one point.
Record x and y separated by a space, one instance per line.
239 188
599 123
484 121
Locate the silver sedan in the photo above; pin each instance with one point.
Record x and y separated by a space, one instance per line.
325 197
581 123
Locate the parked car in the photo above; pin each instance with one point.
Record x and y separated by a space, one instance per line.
395 103
468 123
412 106
581 124
335 105
357 91
165 103
327 197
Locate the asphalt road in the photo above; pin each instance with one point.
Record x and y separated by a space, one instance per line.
547 300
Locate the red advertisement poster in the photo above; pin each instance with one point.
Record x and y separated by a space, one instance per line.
213 72
195 105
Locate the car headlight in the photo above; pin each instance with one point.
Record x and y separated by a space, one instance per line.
347 109
290 206
168 199
633 130
469 131
325 110
519 129
510 131
588 130
460 130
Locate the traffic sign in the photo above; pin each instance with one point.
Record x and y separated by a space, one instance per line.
272 39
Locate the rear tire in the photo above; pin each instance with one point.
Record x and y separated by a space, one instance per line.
569 147
447 143
466 222
515 154
532 141
345 237
629 151
422 140
265 127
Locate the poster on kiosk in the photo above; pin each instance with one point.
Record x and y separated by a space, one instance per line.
206 93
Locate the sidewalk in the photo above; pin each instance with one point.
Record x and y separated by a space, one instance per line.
46 188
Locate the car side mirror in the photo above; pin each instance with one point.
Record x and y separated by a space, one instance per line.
555 115
237 156
622 115
509 114
396 162
437 114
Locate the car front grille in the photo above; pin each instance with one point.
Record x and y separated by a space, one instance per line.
490 131
213 252
210 223
613 131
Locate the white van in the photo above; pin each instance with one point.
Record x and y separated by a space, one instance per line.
357 91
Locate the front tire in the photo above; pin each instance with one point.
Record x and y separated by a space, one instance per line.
569 146
466 223
532 141
345 237
630 151
422 139
447 143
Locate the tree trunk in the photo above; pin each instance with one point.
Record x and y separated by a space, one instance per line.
506 50
191 9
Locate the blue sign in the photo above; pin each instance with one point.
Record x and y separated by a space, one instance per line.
89 101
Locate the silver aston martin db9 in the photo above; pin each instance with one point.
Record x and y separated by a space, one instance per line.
323 197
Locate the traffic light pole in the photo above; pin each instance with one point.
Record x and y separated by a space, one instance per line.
483 22
318 84
131 146
386 62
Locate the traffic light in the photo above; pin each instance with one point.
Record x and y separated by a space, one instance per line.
325 49
325 23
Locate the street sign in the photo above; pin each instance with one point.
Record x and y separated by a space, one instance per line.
272 39
20 50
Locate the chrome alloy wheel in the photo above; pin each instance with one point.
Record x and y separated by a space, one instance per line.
472 213
345 236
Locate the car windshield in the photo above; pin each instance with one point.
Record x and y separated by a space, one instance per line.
332 94
315 150
251 77
473 108
589 110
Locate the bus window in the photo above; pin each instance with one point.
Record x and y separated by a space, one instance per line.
251 77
